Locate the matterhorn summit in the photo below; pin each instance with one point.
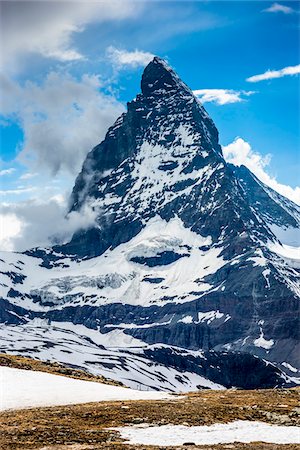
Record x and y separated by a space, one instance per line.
188 277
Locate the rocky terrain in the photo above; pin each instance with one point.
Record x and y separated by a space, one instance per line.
87 427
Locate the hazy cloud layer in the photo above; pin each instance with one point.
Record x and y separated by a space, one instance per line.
239 152
46 28
221 96
270 74
62 119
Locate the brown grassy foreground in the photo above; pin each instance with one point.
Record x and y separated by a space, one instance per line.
84 427
21 362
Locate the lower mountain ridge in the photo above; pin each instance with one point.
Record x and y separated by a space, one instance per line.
189 277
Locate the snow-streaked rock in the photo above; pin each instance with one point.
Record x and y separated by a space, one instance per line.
114 355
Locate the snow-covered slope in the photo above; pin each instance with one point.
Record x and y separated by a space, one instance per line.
27 388
281 214
114 355
189 254
135 272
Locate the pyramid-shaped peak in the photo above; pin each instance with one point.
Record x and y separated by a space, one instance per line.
161 63
159 78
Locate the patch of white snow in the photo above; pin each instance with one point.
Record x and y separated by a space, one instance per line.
27 388
219 433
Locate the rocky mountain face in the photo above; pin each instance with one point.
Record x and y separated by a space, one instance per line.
189 277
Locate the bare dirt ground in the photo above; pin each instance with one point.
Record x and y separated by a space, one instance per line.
84 427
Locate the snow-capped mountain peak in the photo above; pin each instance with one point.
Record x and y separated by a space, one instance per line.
185 263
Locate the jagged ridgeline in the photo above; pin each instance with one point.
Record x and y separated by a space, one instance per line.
189 276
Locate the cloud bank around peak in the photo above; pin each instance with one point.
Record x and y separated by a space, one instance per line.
239 152
62 119
34 223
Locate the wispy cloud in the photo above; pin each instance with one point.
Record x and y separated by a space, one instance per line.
239 152
222 96
7 171
28 176
279 8
270 74
18 191
124 58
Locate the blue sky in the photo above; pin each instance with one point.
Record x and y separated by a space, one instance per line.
68 69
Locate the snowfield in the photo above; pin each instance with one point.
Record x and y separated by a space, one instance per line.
114 276
219 433
26 388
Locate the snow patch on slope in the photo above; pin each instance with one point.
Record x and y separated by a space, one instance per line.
262 342
27 388
219 433
207 316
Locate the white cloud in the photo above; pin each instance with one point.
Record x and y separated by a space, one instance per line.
269 74
7 171
10 227
123 58
41 223
18 191
28 175
62 119
47 27
221 96
239 152
277 7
